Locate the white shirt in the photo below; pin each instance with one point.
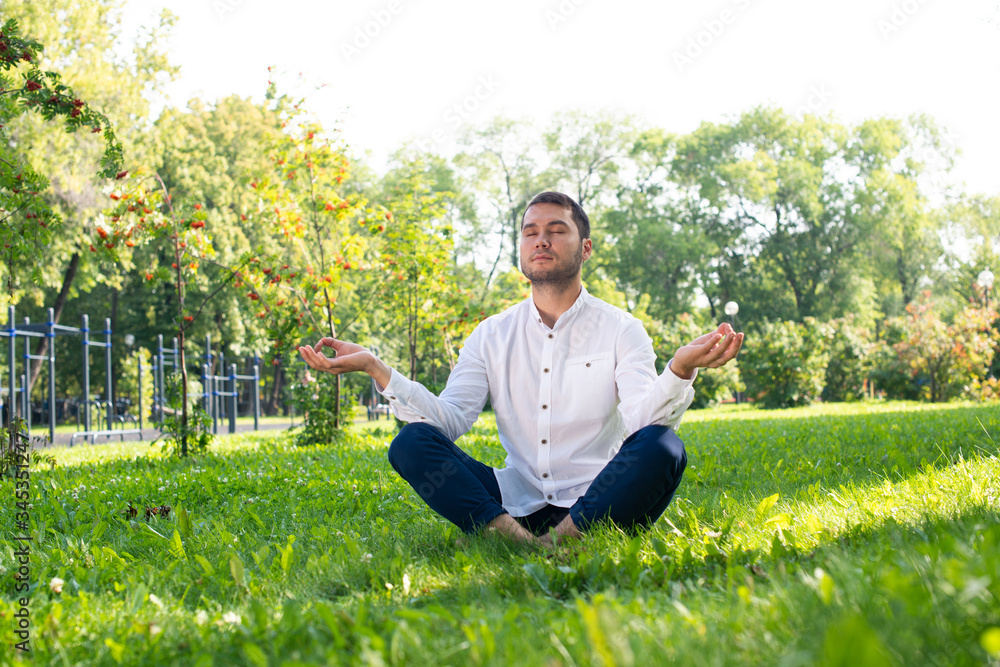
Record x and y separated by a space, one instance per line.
565 397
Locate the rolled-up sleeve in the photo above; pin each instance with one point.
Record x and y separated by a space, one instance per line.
646 398
458 406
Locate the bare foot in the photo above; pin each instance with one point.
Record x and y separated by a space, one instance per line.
565 530
506 525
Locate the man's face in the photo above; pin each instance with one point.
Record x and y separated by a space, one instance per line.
552 251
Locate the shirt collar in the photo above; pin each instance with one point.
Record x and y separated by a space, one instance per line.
565 317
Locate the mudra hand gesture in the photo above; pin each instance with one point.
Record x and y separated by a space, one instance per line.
711 350
349 356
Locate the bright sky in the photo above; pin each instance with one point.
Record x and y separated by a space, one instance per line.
402 70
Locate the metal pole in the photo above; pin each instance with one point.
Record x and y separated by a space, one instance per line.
11 329
161 383
85 329
25 389
232 398
52 376
25 404
204 388
223 404
139 360
215 404
256 397
107 371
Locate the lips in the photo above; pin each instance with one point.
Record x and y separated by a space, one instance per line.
539 257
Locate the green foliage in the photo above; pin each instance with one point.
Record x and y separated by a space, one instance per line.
186 430
923 355
850 349
783 363
315 398
27 220
714 385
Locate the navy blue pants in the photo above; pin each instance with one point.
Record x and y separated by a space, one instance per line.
632 490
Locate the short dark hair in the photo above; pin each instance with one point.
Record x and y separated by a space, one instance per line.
579 216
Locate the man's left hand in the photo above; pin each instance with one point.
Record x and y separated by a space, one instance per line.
711 350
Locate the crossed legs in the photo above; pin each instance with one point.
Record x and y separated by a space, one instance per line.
632 490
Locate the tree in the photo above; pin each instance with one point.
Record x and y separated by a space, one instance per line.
904 244
29 221
422 297
84 45
145 213
499 164
803 199
657 242
315 269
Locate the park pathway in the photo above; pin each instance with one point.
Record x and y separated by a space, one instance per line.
148 435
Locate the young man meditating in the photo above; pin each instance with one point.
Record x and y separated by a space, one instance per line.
569 376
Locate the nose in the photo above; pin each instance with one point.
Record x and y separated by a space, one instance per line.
541 241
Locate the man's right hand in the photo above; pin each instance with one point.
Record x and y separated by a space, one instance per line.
349 357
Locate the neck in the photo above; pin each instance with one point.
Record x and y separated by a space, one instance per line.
552 301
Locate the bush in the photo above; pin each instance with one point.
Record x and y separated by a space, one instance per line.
850 360
784 363
714 385
923 355
315 400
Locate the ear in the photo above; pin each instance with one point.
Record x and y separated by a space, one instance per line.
588 249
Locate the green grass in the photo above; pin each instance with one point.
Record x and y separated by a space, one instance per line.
842 535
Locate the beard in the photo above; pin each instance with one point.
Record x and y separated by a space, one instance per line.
559 272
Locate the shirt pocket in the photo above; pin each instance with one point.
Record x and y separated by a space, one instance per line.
590 385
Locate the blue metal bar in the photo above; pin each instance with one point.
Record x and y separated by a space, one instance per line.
107 372
85 330
52 377
12 371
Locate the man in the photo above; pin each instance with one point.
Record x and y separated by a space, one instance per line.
568 376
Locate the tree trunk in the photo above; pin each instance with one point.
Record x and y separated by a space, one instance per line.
184 394
42 348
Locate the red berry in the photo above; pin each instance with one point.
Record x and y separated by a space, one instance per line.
33 85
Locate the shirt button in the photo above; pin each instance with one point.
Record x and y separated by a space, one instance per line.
588 364
545 442
545 407
549 496
551 335
546 370
545 475
392 398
